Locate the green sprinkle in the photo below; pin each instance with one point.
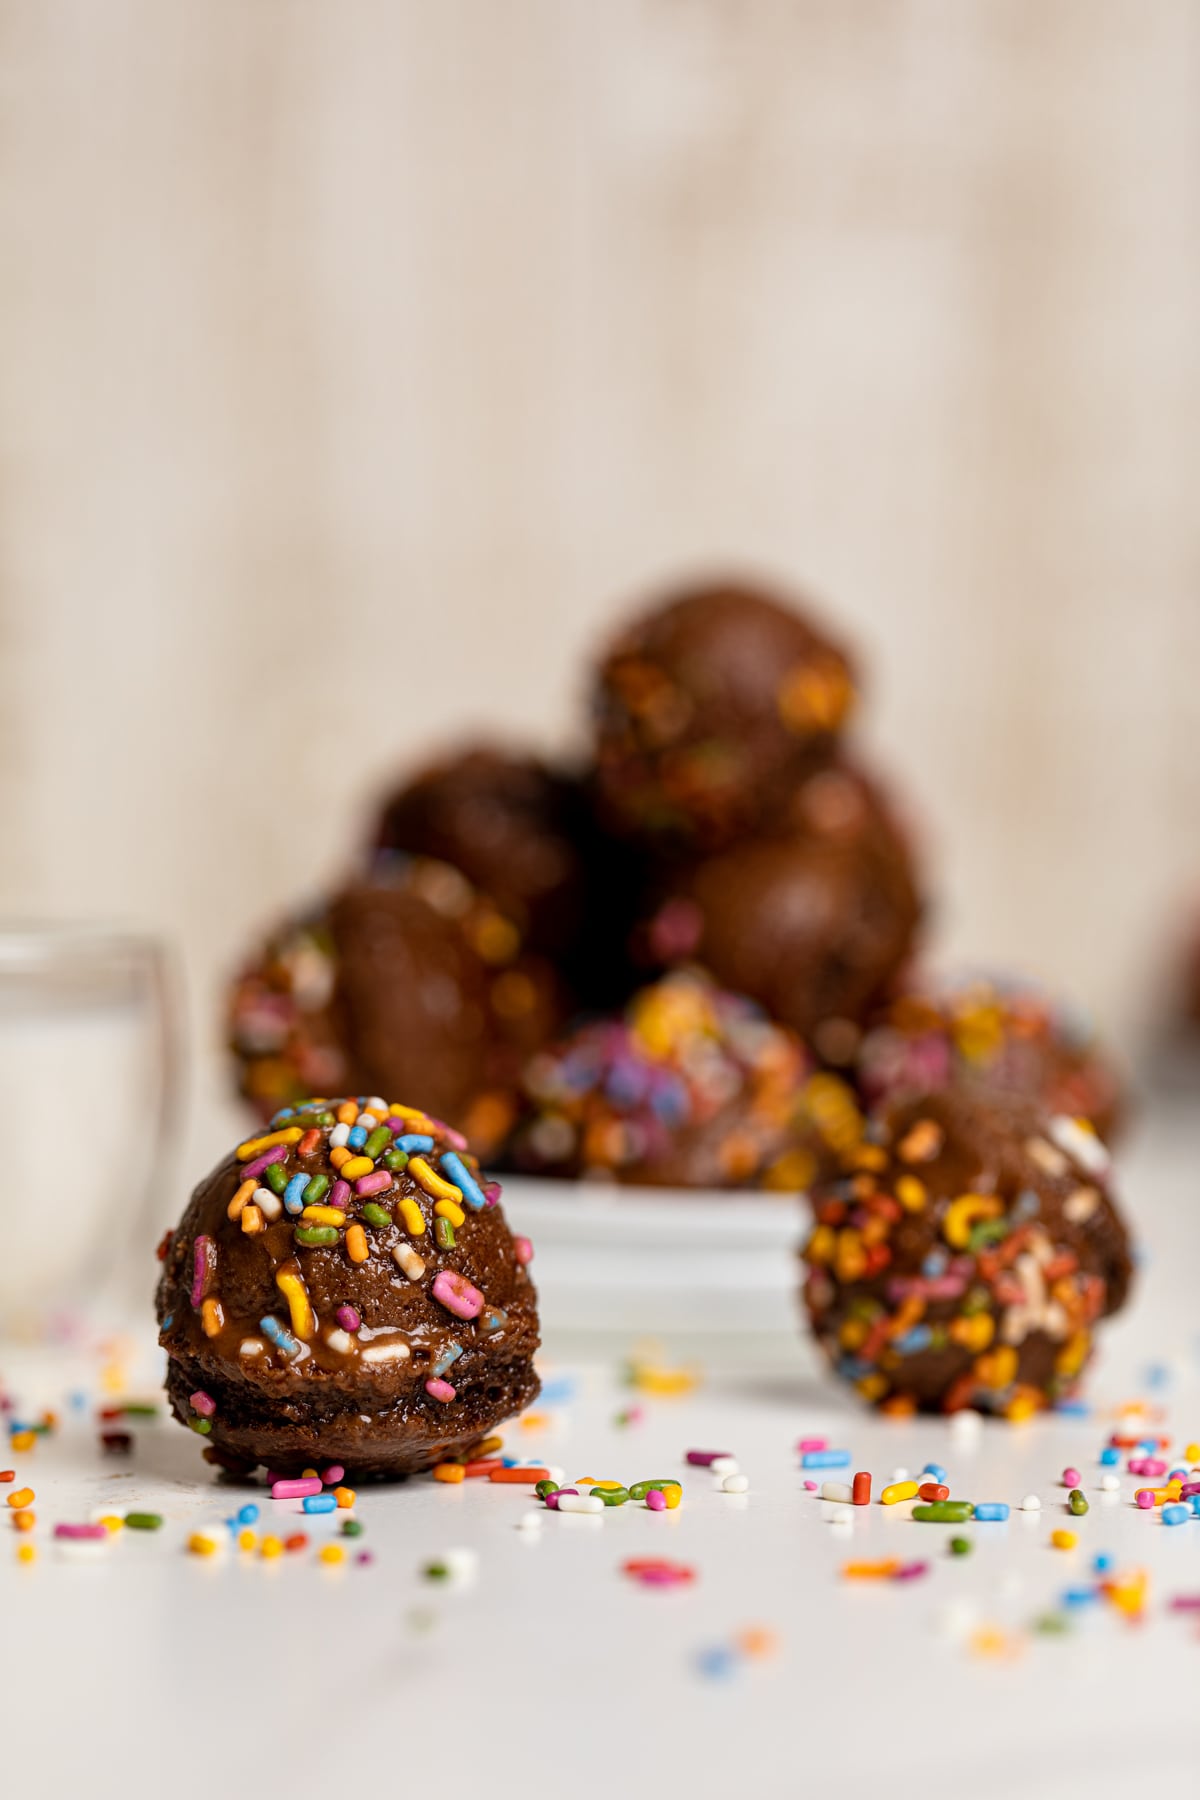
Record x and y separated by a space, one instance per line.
640 1489
961 1546
203 1426
378 1141
545 1487
376 1215
612 1496
140 1410
1051 1624
435 1571
143 1521
944 1512
395 1160
352 1528
316 1189
1076 1501
443 1231
316 1237
276 1177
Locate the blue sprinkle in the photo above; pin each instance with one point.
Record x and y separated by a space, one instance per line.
1073 1409
279 1335
449 1355
1028 1204
718 1663
1194 1502
454 1168
1110 1456
909 1343
935 1264
168 1321
1079 1596
991 1509
825 1459
357 1138
247 1514
1176 1515
494 1319
293 1193
285 1112
1102 1563
78 1400
559 1391
1157 1376
319 1503
414 1143
937 1472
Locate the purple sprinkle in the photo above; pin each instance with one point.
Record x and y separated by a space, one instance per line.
1186 1603
202 1403
491 1192
348 1318
333 1474
90 1534
203 1256
277 1153
339 1193
910 1571
701 1459
365 1556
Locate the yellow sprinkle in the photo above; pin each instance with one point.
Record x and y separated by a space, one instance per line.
212 1316
672 1495
357 1247
1192 1453
26 1553
1063 1540
324 1215
271 1546
246 1539
236 1205
357 1167
489 1446
535 1421
201 1545
413 1218
331 1553
112 1522
112 1380
431 1181
308 1474
252 1146
900 1490
23 1440
408 1112
296 1294
449 1472
450 1209
252 1220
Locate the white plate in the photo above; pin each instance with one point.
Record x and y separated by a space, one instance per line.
685 1265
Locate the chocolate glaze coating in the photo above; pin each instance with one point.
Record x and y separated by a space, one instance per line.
812 923
511 824
963 1255
407 980
705 705
689 1087
334 1401
1004 1037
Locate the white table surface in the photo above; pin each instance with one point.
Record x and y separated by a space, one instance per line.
152 1671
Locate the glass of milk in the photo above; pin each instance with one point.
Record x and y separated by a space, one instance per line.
89 1080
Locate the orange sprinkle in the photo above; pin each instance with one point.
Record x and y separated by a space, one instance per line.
240 1199
252 1220
20 1497
871 1571
24 1520
357 1248
520 1477
347 1112
756 1640
339 1156
22 1441
345 1496
449 1472
535 1421
212 1316
297 1541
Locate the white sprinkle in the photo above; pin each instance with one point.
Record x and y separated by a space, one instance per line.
580 1503
339 1137
339 1340
396 1351
1031 1503
463 1564
250 1347
842 1521
957 1618
836 1490
376 1105
531 1521
1080 1143
268 1203
723 1465
966 1424
408 1262
1110 1483
554 1473
899 1475
735 1484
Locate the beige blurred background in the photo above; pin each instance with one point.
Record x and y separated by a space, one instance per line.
359 361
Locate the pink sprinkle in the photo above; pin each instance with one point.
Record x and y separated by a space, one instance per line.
522 1250
1072 1478
1154 1466
1136 1465
491 1193
90 1534
202 1403
1186 1603
1144 1498
348 1318
278 1153
333 1474
1188 1489
807 1444
339 1193
204 1257
365 1556
377 1182
910 1571
458 1296
455 1139
296 1490
656 1501
439 1389
811 1486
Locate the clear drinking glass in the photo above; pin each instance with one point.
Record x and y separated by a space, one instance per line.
90 1075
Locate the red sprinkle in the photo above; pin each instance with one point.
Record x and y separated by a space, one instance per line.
860 1491
297 1541
308 1142
933 1490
